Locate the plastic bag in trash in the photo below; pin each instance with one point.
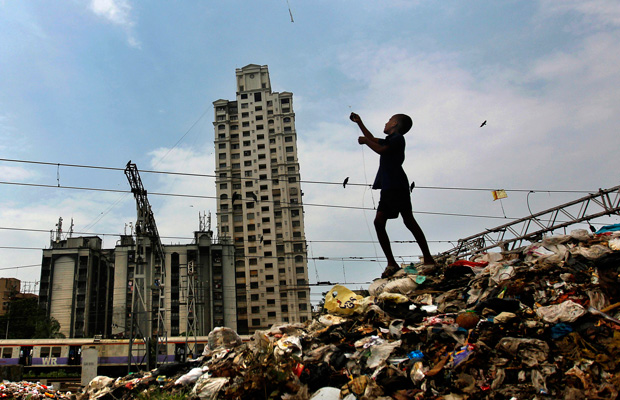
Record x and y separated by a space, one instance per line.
326 393
223 338
288 345
340 300
380 353
207 387
567 311
191 377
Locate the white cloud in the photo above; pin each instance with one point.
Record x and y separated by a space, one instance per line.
596 13
117 12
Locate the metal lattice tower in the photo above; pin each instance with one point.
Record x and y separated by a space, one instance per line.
512 235
149 273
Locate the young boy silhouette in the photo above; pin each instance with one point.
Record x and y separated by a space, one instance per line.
392 180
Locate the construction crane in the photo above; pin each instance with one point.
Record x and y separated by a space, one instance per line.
149 273
531 228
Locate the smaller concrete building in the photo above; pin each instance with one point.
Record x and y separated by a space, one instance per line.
89 290
76 283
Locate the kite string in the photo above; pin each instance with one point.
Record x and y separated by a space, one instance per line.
373 206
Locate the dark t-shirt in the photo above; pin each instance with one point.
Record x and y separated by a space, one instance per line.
391 175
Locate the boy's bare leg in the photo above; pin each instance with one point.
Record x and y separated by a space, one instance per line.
413 226
384 240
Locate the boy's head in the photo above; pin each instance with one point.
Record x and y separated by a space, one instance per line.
400 123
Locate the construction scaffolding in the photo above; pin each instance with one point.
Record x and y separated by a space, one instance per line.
511 236
149 276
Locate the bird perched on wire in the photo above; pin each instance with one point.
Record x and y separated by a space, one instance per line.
411 186
346 180
484 123
253 196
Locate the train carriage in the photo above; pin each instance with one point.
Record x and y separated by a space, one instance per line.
49 354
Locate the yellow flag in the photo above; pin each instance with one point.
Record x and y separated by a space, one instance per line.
499 194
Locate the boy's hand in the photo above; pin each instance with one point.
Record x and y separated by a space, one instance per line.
355 118
362 140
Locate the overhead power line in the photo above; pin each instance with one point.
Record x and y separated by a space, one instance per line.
196 196
302 181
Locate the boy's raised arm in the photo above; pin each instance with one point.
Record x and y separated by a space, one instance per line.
368 139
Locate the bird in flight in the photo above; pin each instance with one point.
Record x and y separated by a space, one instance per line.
484 123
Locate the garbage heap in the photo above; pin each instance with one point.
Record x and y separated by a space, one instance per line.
30 391
536 323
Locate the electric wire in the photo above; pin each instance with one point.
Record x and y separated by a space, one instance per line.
291 204
302 181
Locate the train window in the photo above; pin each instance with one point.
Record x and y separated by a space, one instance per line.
7 352
56 352
45 352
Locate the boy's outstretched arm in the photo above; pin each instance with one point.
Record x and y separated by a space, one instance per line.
368 139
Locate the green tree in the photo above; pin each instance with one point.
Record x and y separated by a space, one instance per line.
25 320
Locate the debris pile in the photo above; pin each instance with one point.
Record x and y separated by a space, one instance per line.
30 391
540 322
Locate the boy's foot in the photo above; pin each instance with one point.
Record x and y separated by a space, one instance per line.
429 261
389 271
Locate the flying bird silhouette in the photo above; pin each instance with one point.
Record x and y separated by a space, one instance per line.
484 123
346 180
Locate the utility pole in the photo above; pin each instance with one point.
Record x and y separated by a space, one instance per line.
149 274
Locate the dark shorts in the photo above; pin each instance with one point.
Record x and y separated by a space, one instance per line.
394 202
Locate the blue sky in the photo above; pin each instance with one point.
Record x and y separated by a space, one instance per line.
102 82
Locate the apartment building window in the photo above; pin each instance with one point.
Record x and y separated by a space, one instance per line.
284 308
258 108
303 307
292 179
253 285
259 117
247 163
244 105
222 156
221 127
259 127
258 96
289 149
288 138
245 124
268 277
221 146
301 295
245 115
249 184
223 185
255 321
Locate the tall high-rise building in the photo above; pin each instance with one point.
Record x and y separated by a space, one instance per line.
259 201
